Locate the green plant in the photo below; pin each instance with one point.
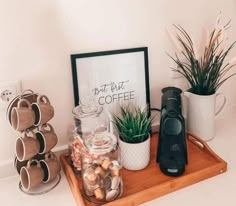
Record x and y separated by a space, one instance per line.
133 124
207 73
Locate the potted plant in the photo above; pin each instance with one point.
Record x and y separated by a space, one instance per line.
133 125
205 75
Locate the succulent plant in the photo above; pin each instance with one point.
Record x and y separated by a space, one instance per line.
133 124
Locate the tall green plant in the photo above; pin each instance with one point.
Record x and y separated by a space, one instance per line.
207 73
133 124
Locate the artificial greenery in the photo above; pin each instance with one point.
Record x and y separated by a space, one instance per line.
207 73
133 124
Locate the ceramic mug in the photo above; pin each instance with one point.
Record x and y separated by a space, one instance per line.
43 110
31 175
26 147
46 137
22 116
50 166
27 94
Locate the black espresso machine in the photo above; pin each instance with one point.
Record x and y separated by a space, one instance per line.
172 148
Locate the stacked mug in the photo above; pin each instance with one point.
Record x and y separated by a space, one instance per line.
35 162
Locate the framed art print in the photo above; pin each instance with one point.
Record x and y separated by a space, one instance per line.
112 77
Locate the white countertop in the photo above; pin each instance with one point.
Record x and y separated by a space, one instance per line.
11 195
218 190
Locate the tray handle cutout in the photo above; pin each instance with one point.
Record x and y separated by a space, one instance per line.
197 141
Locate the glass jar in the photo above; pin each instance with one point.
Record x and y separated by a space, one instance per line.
101 168
89 119
76 148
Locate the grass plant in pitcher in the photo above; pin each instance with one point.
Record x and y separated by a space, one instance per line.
205 73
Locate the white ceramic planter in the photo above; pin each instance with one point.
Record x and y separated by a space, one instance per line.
135 156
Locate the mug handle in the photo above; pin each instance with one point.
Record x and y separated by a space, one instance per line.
44 126
29 131
223 104
27 91
31 161
23 102
43 99
50 155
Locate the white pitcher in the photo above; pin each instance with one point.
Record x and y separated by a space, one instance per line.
201 113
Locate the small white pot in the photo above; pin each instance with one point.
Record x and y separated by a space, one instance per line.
135 156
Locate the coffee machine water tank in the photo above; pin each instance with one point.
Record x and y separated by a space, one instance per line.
172 148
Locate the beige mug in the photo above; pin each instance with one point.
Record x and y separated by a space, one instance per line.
31 175
27 94
22 116
50 166
43 110
27 146
46 137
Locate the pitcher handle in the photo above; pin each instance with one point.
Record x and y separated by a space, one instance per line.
223 104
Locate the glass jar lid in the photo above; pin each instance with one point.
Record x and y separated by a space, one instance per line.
87 108
101 143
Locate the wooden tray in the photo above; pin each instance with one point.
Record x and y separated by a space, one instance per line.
150 183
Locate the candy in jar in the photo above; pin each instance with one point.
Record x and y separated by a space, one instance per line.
101 168
89 119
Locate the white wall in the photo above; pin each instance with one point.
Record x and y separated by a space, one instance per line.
37 38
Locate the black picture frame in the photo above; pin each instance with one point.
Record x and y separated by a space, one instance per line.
83 64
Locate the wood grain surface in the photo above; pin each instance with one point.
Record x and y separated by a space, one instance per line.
150 183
